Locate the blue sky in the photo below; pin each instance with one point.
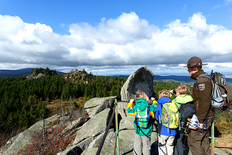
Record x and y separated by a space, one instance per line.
116 36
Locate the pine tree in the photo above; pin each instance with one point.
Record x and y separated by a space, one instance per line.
23 119
113 91
32 112
104 92
41 108
93 92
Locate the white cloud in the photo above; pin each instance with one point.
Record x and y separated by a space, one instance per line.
113 43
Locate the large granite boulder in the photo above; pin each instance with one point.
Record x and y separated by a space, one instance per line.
107 148
94 126
76 149
88 133
96 105
141 79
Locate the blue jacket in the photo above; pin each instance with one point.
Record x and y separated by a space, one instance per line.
164 130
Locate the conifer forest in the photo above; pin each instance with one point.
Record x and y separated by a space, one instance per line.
23 99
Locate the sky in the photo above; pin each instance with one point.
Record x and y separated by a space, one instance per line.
116 37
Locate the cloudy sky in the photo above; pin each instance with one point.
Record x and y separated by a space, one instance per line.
108 37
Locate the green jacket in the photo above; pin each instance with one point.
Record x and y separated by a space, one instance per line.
183 99
142 104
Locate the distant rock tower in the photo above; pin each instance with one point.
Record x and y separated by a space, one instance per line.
141 79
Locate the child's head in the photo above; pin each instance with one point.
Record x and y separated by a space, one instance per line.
141 94
163 93
181 89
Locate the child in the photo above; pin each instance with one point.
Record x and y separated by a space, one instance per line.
166 135
143 134
182 99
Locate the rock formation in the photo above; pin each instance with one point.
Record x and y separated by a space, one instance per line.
141 79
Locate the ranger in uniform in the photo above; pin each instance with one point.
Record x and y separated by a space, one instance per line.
198 140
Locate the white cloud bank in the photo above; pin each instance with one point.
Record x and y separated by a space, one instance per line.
116 46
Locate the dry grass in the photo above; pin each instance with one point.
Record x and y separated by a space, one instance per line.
225 140
55 106
223 129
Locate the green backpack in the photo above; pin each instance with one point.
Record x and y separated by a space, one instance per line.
170 115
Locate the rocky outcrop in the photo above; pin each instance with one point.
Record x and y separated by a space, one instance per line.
89 132
94 126
141 79
96 105
25 137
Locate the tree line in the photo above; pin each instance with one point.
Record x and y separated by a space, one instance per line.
22 100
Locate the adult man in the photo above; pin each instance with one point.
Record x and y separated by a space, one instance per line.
198 140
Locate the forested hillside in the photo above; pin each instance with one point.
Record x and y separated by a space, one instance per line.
23 99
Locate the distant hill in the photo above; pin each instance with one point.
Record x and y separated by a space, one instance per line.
183 79
173 77
2 75
16 73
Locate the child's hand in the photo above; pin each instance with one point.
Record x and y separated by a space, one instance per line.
201 126
131 100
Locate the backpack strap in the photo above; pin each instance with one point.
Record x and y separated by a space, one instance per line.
202 75
206 118
149 123
160 121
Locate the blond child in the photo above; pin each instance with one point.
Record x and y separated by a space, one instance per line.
143 131
182 100
166 135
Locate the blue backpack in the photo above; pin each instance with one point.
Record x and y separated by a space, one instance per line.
143 118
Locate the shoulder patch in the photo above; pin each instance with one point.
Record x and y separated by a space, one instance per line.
201 87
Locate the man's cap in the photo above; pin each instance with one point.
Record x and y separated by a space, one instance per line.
194 62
